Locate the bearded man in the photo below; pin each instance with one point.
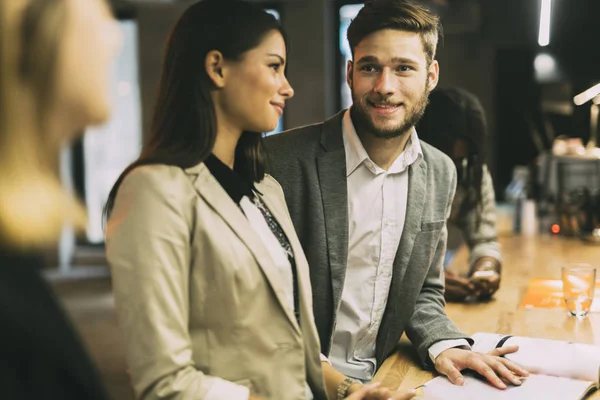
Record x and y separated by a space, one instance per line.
370 202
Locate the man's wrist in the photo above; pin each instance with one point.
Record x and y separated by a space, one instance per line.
485 265
436 349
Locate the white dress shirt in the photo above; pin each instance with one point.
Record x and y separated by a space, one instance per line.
376 212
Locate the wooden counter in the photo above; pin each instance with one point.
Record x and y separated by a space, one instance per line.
524 258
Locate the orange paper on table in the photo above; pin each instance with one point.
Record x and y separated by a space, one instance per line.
547 293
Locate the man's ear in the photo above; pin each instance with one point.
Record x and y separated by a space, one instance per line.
349 70
433 75
215 68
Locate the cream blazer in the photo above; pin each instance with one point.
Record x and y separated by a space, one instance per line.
199 297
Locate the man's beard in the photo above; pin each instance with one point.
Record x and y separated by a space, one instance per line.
363 122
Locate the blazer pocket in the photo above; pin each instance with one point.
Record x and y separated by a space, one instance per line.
245 382
432 226
257 385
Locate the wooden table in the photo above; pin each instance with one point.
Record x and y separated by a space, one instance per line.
524 258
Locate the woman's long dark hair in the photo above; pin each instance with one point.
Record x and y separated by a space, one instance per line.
455 114
184 125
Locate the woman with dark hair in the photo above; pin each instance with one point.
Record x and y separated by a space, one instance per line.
454 122
210 282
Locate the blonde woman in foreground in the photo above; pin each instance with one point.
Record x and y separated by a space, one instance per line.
55 57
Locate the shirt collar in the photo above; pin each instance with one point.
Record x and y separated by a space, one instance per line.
234 184
357 155
355 152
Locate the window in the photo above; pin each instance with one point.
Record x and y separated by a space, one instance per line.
279 128
347 14
274 13
108 149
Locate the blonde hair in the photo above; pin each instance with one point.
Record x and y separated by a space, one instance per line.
33 204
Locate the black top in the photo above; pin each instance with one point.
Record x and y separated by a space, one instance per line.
41 355
237 187
234 184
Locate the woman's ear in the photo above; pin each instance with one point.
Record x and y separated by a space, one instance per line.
215 68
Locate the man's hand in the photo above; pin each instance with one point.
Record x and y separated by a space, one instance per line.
492 366
486 277
373 392
457 287
482 283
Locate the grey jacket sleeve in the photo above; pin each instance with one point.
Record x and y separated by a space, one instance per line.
429 323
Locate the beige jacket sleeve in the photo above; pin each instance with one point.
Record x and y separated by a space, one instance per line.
148 249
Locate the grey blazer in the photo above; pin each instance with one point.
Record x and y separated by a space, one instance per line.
310 164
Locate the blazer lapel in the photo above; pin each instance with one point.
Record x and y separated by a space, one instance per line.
310 335
417 181
279 211
212 192
331 168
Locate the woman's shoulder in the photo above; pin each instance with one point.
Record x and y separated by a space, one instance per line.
269 184
159 176
156 182
156 171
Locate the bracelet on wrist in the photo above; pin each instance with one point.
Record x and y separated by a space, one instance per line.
342 389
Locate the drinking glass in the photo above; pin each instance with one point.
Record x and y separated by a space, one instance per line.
579 283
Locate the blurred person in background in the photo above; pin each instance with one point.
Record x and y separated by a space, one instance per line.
55 58
454 122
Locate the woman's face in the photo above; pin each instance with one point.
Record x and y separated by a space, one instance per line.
88 50
255 90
